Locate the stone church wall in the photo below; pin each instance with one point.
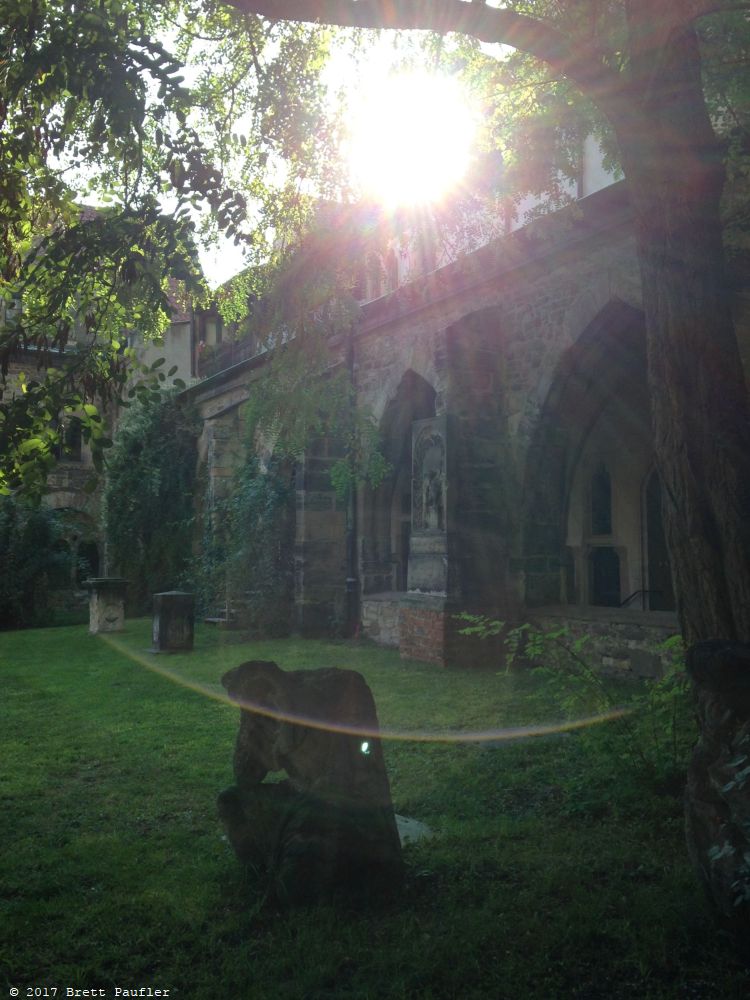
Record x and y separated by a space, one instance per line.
516 351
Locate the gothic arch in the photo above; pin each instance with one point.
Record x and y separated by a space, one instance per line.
596 412
603 293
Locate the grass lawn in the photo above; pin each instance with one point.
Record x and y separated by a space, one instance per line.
557 869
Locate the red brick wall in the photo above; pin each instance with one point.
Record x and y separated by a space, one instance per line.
422 635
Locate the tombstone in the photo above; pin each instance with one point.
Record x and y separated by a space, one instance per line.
106 604
328 830
174 620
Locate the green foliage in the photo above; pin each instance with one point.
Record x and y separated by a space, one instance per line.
307 394
657 730
149 495
34 559
545 878
246 554
96 109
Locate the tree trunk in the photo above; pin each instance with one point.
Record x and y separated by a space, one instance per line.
697 386
701 434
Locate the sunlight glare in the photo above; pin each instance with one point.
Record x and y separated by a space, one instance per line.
410 137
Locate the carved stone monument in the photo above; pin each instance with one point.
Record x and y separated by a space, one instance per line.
329 828
106 604
174 620
717 796
428 545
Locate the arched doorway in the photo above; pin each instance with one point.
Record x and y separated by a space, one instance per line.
586 513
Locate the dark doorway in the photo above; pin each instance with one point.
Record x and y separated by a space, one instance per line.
604 564
88 562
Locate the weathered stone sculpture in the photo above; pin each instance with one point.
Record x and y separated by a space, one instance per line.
717 797
328 829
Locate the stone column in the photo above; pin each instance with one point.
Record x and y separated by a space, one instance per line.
174 618
106 604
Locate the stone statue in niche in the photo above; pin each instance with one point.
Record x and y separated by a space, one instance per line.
433 502
429 478
328 830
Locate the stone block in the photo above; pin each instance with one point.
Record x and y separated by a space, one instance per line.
106 604
174 621
645 664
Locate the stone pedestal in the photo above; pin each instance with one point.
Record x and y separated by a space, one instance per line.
174 619
428 562
106 604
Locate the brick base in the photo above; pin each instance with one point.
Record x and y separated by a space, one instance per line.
422 634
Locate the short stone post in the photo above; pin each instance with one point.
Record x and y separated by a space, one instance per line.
106 604
174 620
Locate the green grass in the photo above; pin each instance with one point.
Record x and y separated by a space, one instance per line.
556 869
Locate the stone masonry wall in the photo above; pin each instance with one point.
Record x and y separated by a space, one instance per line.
320 559
628 644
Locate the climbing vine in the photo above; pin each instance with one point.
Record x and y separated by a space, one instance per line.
245 564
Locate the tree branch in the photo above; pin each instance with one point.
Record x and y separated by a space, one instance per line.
582 63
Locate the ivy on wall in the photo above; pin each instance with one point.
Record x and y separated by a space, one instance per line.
149 495
246 552
34 559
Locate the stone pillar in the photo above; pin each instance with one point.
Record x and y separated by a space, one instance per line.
174 618
106 604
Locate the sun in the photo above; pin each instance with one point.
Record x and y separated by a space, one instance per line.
410 137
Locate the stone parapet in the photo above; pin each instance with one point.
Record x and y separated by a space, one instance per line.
621 642
381 618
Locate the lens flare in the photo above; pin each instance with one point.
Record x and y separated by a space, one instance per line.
481 736
410 137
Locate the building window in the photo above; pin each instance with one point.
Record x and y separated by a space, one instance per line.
68 447
391 268
212 331
601 502
374 275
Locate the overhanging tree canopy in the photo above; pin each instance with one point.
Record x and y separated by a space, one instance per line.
94 107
